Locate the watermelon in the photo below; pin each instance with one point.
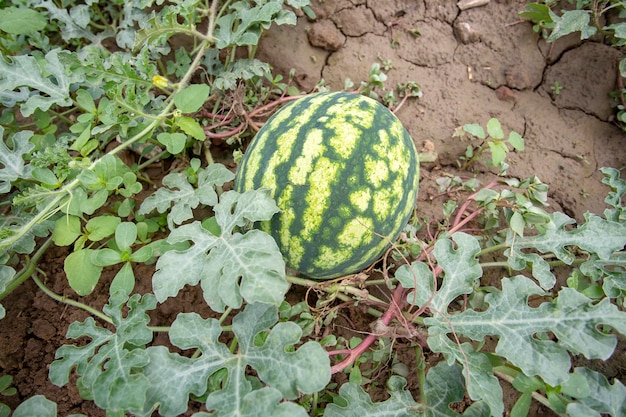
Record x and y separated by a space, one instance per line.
344 172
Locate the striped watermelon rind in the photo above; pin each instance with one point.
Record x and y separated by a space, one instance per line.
344 172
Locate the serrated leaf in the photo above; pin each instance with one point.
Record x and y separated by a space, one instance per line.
603 398
244 24
48 86
304 370
596 235
238 399
571 21
108 364
232 267
614 198
477 369
357 403
181 197
71 25
11 162
572 318
174 377
540 268
420 277
457 258
444 386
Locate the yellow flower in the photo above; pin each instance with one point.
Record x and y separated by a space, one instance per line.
160 82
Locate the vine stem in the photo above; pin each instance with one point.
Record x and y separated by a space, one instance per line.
28 270
68 301
387 317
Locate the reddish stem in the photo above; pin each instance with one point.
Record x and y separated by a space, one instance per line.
387 317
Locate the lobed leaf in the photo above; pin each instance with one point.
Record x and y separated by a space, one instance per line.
597 235
572 318
444 386
355 402
108 364
12 164
286 372
180 197
477 369
305 370
231 267
46 86
602 397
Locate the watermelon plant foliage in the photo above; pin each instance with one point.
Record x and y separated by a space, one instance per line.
85 83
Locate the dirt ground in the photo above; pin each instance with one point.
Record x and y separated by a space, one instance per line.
471 65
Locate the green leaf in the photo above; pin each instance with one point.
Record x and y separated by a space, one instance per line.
39 88
571 21
66 230
108 365
522 405
178 194
498 152
105 257
494 129
537 13
191 127
475 130
517 223
82 274
101 227
125 235
516 141
85 100
11 162
232 267
603 398
45 176
20 21
38 406
124 280
174 142
191 98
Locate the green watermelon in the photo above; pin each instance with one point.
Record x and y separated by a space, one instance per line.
343 171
